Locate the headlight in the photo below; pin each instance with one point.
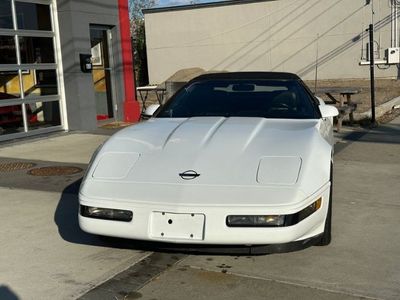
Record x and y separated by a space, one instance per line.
273 220
106 213
306 212
255 221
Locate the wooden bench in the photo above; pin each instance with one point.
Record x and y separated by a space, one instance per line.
345 104
344 110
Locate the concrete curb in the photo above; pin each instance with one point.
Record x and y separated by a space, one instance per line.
379 110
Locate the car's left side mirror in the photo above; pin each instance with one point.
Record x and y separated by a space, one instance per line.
328 111
149 112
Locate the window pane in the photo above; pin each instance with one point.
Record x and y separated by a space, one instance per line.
40 82
11 120
43 114
9 85
36 50
5 14
8 54
33 16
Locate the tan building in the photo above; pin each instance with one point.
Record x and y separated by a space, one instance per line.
300 36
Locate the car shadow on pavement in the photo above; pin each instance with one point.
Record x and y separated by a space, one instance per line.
384 134
7 294
66 219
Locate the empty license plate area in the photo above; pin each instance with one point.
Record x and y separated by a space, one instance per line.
177 226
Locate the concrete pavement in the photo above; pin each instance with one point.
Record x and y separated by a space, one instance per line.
44 255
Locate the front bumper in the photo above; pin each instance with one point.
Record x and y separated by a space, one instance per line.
214 231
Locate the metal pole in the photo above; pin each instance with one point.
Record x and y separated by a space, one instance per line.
396 37
392 44
372 71
316 66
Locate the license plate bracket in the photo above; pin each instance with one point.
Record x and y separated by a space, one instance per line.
181 226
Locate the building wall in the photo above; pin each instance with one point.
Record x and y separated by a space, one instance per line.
74 18
281 35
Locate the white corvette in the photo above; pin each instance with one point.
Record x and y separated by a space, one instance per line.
230 159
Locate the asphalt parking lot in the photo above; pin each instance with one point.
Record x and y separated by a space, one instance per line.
44 255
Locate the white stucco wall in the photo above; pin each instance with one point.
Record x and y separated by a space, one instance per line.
281 35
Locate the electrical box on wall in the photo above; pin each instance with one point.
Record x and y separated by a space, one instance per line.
393 55
86 62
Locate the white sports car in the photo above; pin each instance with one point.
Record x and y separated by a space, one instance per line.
230 159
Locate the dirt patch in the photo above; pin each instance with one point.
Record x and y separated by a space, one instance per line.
186 75
385 90
114 125
213 277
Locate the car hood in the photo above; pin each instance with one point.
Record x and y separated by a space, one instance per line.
232 154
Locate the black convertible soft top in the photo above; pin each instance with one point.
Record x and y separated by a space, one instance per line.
247 75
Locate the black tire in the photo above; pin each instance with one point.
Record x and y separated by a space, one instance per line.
326 236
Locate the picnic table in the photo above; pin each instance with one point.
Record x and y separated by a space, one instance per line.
345 104
144 93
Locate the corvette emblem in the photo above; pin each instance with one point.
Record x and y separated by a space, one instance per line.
189 175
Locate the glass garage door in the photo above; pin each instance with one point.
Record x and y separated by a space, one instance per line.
29 91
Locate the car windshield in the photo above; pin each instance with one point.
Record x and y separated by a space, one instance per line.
287 99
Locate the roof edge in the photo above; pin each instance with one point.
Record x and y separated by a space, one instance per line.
200 5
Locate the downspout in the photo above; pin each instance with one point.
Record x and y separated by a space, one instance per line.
131 105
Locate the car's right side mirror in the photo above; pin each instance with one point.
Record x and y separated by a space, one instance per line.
328 111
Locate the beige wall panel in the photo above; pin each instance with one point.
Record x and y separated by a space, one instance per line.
281 35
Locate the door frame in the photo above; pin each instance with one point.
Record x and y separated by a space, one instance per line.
111 62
